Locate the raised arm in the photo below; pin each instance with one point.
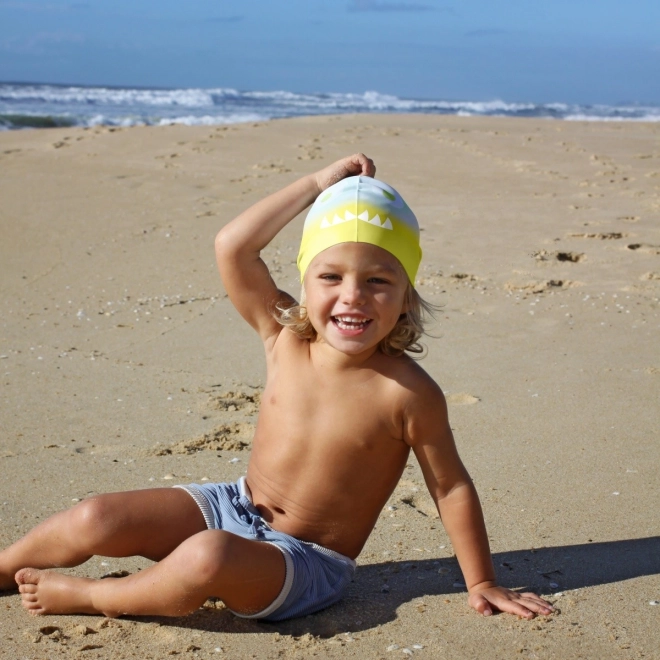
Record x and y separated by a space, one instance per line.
450 485
238 245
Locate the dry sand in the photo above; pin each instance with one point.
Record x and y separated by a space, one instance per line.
124 366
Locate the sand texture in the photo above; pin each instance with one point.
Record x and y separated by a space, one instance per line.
124 367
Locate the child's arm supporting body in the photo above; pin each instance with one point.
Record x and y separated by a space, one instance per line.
429 434
238 245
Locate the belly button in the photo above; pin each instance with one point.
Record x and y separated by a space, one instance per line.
277 509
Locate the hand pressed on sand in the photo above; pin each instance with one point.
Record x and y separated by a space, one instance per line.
526 605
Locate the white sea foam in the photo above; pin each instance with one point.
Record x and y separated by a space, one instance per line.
578 117
24 105
190 98
211 120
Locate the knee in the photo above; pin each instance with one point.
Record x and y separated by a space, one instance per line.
91 520
208 554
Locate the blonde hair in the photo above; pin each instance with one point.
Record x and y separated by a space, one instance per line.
404 336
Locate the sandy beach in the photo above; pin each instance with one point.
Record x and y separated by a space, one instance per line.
124 366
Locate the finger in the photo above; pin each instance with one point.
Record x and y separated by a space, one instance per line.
369 168
513 604
517 608
363 164
537 604
480 604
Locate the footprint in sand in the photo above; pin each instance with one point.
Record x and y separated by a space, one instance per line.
236 401
578 207
539 286
603 236
645 248
438 278
572 257
275 167
228 437
311 150
462 399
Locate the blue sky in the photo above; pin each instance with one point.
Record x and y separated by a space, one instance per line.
598 51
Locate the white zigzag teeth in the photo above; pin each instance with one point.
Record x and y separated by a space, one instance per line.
364 216
376 221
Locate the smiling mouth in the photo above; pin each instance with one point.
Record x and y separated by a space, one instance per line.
350 322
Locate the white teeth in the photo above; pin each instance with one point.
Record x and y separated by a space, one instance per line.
350 322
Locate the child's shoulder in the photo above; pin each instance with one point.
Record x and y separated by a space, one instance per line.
421 404
412 381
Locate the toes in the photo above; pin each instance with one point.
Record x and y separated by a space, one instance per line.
31 604
27 588
27 576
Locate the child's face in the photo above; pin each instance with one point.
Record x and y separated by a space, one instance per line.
354 295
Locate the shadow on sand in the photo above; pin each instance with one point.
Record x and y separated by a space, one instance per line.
379 589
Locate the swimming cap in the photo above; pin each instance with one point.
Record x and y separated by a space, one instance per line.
360 209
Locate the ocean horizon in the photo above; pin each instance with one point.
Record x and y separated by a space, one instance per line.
47 105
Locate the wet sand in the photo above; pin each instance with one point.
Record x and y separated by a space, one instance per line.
124 366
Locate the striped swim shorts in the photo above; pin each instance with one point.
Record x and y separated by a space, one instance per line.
316 577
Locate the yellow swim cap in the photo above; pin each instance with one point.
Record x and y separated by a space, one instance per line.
360 209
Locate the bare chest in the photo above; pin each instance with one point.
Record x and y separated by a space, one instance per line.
350 413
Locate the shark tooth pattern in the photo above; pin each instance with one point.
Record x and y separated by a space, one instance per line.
363 210
337 220
376 221
364 216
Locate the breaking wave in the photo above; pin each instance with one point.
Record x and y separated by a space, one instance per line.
44 106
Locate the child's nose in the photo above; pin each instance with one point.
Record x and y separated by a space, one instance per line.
352 293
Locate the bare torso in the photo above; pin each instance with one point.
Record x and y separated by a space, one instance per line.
328 448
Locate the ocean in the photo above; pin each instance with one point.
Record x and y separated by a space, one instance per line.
25 105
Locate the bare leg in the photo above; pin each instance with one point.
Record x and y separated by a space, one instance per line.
149 523
246 575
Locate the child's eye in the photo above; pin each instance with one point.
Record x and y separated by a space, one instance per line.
378 280
331 277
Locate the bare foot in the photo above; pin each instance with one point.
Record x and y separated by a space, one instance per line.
45 592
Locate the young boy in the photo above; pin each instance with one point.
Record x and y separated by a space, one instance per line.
342 407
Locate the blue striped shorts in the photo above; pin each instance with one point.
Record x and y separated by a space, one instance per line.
316 577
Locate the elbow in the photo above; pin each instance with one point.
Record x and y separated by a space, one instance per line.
220 239
223 244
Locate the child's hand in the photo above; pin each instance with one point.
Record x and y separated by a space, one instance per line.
355 165
526 605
